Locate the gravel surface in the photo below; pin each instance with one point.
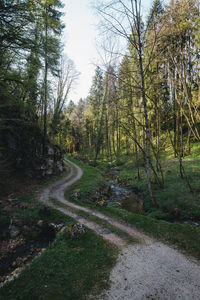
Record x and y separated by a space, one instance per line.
153 271
147 270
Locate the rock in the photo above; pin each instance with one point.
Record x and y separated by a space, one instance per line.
76 194
101 203
75 230
56 226
50 150
11 198
59 166
49 172
40 223
49 167
14 231
51 163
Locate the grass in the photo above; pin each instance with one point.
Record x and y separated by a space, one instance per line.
90 180
73 268
184 237
68 269
175 201
97 220
25 209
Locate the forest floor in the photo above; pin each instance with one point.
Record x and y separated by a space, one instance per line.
146 269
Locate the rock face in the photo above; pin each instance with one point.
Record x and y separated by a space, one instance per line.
53 162
22 146
59 166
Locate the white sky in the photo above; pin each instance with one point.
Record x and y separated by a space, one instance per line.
80 38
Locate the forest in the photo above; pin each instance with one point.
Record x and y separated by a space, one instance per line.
143 105
136 136
147 105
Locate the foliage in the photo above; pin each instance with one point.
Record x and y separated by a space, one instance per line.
185 237
149 102
26 43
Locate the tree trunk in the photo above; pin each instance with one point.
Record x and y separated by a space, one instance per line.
147 133
45 90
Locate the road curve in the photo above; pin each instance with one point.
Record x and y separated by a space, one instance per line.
147 270
57 189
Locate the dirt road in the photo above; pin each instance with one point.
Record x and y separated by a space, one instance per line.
145 270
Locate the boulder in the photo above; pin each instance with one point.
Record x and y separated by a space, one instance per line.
75 231
50 149
14 231
76 194
40 223
59 166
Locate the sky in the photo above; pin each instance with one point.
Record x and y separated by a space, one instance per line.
80 36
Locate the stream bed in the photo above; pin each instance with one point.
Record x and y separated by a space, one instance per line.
13 261
127 197
131 199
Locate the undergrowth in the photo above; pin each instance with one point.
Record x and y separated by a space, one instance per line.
185 237
68 268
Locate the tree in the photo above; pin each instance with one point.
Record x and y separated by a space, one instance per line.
123 18
52 28
29 43
66 80
95 100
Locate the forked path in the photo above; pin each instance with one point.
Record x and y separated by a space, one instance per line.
146 270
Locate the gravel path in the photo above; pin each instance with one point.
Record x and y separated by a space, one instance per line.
57 189
153 271
147 270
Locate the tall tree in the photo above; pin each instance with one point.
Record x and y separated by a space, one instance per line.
66 80
124 19
52 28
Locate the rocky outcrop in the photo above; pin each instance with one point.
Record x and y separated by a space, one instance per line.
53 161
22 149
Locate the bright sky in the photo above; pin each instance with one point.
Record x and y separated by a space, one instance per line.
80 40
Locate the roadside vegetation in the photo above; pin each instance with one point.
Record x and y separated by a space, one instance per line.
141 117
185 237
70 268
175 201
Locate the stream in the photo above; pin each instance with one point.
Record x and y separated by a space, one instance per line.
23 254
130 198
126 197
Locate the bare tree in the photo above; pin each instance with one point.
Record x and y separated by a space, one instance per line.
123 18
66 81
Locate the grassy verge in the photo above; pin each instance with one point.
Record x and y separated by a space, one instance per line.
90 180
68 269
185 237
97 220
23 207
